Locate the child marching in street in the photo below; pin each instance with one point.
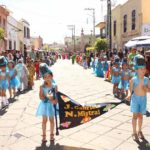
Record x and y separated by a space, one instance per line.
124 82
105 67
45 108
22 74
3 82
99 69
139 86
31 69
116 76
36 64
13 79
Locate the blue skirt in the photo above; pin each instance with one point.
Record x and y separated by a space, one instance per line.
99 72
4 84
45 109
14 83
124 84
115 79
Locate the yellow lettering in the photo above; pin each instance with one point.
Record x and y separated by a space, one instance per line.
68 114
67 106
75 107
81 113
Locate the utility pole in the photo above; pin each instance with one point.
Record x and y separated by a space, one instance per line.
92 9
109 32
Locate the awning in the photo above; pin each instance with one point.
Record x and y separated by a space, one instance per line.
138 42
144 43
131 44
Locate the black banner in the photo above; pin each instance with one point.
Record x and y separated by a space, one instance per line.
72 114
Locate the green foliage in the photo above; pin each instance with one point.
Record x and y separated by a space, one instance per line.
46 47
2 33
101 44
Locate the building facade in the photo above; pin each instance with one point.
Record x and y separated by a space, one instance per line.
130 20
13 42
81 42
25 35
3 24
36 43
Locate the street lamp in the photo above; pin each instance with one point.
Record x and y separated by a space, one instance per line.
92 9
72 28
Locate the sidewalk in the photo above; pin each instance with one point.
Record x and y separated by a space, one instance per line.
20 129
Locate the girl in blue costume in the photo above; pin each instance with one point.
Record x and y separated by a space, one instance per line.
3 81
99 69
139 86
93 64
105 66
125 77
45 108
13 79
116 76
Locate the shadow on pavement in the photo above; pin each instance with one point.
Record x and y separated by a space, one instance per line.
147 114
12 100
3 111
58 147
143 145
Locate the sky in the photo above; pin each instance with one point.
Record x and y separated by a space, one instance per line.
50 18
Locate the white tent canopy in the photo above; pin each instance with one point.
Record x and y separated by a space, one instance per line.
138 42
130 44
140 38
144 43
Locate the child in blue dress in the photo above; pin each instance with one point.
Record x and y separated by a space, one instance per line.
99 69
45 108
13 79
105 66
3 82
93 64
115 72
125 77
139 86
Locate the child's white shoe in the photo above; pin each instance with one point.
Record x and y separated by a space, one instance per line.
5 102
1 105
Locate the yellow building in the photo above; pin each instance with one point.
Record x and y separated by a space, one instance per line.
130 20
36 43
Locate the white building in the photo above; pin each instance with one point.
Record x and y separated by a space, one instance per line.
12 34
26 34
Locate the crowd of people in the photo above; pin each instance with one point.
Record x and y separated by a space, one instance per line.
129 75
17 73
117 68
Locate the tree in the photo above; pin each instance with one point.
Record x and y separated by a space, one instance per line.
101 44
46 47
2 33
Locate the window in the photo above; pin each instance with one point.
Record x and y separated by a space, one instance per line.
4 23
133 25
0 20
28 33
10 45
25 32
115 28
125 23
14 45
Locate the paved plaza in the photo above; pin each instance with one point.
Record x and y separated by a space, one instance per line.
20 129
